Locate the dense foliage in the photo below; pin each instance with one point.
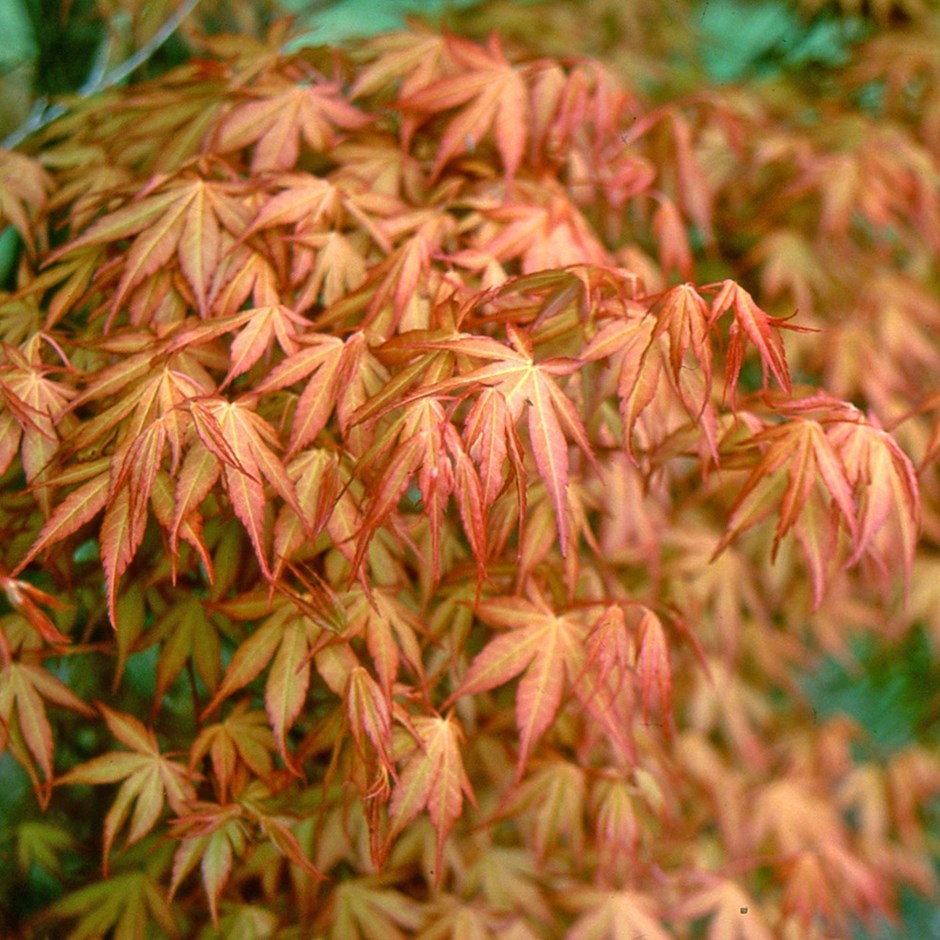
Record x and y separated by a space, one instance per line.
430 467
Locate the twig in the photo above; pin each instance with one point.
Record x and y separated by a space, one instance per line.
42 113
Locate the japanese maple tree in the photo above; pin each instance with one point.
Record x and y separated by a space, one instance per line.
430 466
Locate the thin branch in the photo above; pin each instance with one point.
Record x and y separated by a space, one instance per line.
42 113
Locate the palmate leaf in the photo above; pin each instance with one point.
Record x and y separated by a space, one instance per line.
492 95
615 915
150 780
809 467
288 641
283 113
123 907
734 915
433 778
243 741
25 689
209 836
183 219
523 384
547 647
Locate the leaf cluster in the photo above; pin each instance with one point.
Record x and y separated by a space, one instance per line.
471 447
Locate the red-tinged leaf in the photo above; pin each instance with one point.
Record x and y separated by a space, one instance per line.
416 58
209 837
488 426
122 531
339 268
318 399
539 692
494 96
25 598
617 831
639 383
471 503
248 432
546 646
25 687
615 915
434 778
391 634
551 454
305 198
653 670
10 435
732 915
282 114
250 658
243 738
884 485
199 472
370 716
288 681
522 383
396 475
279 832
129 220
802 446
254 338
683 315
200 247
750 322
317 483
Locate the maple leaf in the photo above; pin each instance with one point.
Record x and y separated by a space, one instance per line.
364 909
544 231
128 904
209 835
370 717
667 341
525 383
615 915
242 741
182 217
149 778
239 438
282 113
324 364
24 187
494 97
25 598
288 641
884 486
799 459
417 57
733 914
434 778
654 674
274 321
24 690
35 413
752 323
189 636
545 646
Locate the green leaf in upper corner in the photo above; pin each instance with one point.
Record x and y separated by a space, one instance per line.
347 19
